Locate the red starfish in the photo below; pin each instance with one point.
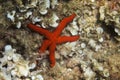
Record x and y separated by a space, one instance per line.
53 38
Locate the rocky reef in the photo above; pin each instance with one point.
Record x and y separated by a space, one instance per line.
95 56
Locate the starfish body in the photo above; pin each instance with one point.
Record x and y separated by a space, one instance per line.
54 38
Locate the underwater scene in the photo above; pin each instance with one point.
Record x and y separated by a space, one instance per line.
59 39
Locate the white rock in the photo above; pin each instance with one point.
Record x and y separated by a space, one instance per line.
117 31
83 45
73 28
71 54
3 61
43 25
92 43
16 57
32 66
39 77
101 39
13 72
89 74
71 46
18 25
97 65
97 47
22 69
20 66
45 4
43 12
27 15
11 15
102 12
16 66
36 19
9 57
22 9
53 20
33 77
69 70
99 30
8 48
87 71
9 52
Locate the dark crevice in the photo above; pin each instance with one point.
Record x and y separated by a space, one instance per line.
109 29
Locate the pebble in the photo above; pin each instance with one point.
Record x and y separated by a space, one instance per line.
11 15
18 25
101 39
83 45
28 14
117 31
99 30
8 47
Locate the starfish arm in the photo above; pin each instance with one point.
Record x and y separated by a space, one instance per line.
52 54
64 39
62 24
44 46
39 30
